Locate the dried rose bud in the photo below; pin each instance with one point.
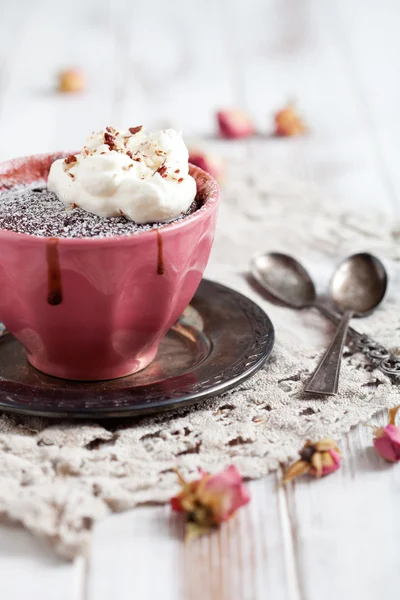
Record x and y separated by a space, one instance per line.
387 439
71 80
235 124
288 123
316 459
211 164
210 500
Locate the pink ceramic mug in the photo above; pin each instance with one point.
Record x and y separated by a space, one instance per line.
98 308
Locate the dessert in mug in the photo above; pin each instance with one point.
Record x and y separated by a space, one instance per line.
138 179
102 250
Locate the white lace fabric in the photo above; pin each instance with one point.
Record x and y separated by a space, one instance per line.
57 478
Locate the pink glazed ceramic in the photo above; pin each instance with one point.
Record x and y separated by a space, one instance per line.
98 308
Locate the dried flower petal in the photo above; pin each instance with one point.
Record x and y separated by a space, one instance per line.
387 439
316 459
210 500
209 163
235 124
295 470
71 80
288 123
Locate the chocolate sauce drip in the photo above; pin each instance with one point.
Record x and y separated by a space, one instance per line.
54 296
160 254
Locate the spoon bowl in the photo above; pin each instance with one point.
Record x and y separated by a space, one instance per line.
284 278
359 284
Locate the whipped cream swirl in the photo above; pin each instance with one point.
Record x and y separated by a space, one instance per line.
143 177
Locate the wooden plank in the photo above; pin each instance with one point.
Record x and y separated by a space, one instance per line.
138 554
175 70
12 28
289 50
346 527
338 523
371 55
27 110
142 552
29 570
333 539
34 117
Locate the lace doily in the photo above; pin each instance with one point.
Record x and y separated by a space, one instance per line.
58 478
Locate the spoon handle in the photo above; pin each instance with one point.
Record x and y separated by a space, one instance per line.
335 318
326 377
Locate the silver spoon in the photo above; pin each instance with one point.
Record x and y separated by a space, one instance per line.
358 286
287 281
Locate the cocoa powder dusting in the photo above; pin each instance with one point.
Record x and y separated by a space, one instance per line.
34 210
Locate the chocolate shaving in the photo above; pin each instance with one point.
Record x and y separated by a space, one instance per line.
70 160
134 130
162 171
180 180
109 140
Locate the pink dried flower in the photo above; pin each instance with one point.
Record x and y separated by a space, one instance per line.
316 459
209 163
387 439
235 124
210 500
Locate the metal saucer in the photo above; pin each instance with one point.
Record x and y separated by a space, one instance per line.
220 340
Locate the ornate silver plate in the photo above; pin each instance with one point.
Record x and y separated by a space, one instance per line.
220 340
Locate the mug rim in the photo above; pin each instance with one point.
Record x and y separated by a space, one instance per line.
210 204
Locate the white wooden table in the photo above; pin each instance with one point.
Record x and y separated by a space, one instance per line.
176 62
